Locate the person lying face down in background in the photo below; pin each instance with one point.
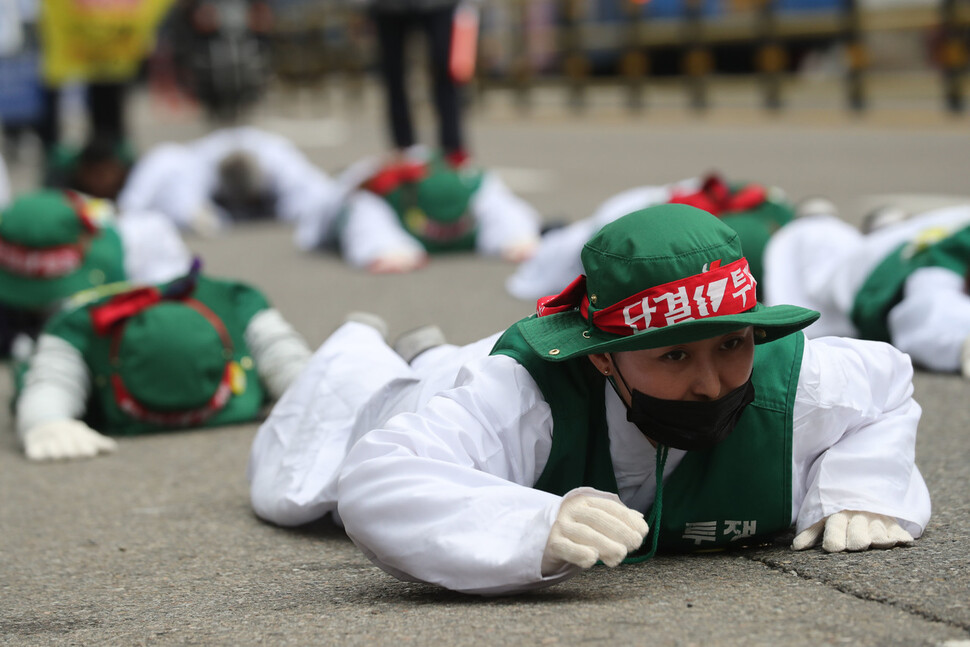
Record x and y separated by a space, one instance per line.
904 282
54 243
754 211
394 214
654 387
194 352
231 175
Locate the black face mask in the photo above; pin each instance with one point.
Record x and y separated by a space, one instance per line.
686 425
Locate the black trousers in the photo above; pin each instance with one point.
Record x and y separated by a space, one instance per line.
392 31
106 113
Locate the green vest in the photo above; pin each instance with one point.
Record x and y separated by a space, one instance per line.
234 303
737 490
883 288
436 211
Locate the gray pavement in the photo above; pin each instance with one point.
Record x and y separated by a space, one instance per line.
156 545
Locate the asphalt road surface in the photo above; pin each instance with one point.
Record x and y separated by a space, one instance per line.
156 544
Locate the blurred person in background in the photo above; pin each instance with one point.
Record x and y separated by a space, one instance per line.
392 215
54 244
753 210
393 21
230 175
903 279
193 352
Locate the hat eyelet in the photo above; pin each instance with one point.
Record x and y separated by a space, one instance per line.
592 299
246 363
586 334
554 351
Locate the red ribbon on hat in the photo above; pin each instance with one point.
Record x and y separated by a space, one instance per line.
394 175
715 196
123 306
717 291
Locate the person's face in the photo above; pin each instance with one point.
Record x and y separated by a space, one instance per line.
702 370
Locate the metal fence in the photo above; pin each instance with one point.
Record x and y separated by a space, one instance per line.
575 43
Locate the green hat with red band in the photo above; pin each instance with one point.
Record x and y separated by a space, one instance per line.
171 357
53 244
666 275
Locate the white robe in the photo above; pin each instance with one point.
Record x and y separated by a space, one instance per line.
154 250
430 466
180 179
370 228
821 262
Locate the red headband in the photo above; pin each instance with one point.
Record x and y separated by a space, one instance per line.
717 292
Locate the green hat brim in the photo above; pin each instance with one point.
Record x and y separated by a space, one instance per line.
566 335
102 264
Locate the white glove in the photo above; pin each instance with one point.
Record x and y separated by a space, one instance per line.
65 439
520 250
590 528
852 530
205 222
398 262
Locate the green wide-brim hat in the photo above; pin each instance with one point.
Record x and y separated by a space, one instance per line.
171 358
47 219
660 245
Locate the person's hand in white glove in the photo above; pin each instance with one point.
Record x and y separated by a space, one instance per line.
852 530
590 528
65 439
398 262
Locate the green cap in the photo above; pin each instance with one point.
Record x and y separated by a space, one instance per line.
53 244
699 284
171 357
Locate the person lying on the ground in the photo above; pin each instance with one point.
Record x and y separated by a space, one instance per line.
654 386
54 243
753 210
904 282
194 352
230 175
394 215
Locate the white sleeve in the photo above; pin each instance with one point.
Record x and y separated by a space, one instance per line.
503 218
170 179
372 230
154 250
4 184
280 353
56 385
445 495
854 440
932 320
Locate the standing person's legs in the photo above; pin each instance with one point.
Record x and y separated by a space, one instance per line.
106 106
392 31
437 26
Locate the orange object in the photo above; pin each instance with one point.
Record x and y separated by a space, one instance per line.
464 43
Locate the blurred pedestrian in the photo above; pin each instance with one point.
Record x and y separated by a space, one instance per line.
394 20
